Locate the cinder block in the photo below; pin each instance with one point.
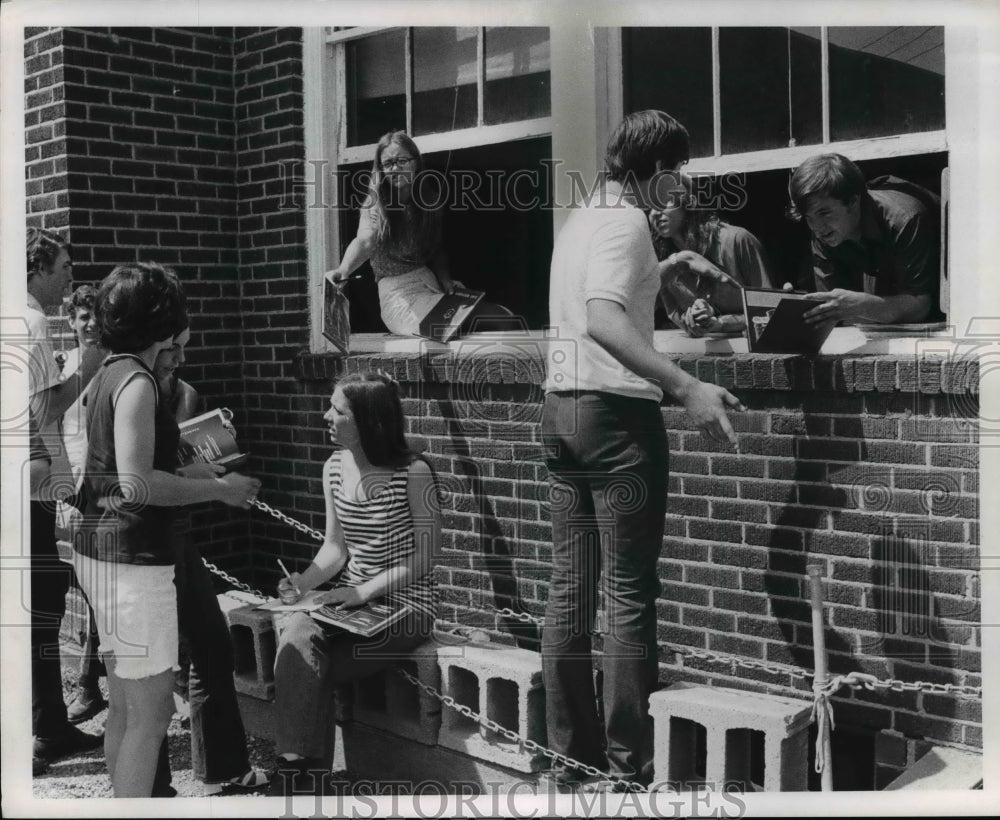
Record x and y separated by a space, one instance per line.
389 701
254 649
502 684
942 768
761 740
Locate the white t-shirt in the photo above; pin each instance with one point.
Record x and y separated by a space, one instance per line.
43 373
74 421
604 251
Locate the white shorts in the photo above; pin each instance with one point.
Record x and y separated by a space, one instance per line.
135 606
406 299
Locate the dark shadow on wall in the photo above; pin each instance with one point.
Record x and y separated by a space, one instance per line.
497 553
895 630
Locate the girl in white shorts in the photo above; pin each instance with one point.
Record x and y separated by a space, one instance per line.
124 549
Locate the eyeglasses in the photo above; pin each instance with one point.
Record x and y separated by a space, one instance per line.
397 162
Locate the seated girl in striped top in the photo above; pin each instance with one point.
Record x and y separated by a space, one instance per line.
382 534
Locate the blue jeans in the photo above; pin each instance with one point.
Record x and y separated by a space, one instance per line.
312 659
608 463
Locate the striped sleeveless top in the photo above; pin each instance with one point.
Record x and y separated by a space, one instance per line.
378 534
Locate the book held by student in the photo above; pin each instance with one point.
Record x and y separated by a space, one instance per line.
775 324
210 439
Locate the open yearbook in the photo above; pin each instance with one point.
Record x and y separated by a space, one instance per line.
209 438
364 620
775 323
445 319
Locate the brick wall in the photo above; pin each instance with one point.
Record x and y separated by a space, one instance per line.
878 486
166 144
163 144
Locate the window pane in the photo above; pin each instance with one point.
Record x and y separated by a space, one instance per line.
517 74
671 69
770 88
444 79
376 91
886 80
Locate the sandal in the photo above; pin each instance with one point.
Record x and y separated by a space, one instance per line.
251 780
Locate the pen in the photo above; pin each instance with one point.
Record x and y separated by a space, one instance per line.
288 575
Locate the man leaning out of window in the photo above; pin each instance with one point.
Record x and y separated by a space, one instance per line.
876 252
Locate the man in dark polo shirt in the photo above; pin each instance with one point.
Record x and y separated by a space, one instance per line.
876 246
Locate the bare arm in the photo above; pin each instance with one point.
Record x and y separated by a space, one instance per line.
60 397
610 327
332 556
134 418
358 252
841 305
187 404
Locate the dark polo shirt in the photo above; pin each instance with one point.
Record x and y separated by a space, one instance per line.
900 247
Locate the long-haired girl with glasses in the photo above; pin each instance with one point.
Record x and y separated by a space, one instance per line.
400 232
703 261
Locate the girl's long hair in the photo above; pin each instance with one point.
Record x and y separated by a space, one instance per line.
378 413
424 223
700 229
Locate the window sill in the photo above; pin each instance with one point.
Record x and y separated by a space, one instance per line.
850 360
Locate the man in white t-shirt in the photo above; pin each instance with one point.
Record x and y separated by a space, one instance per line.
606 452
49 272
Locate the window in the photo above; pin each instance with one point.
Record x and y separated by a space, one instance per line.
477 102
751 96
757 101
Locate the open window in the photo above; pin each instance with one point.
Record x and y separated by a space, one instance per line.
477 102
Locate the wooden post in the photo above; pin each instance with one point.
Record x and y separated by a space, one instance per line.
822 672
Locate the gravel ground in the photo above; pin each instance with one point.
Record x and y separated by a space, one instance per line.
85 775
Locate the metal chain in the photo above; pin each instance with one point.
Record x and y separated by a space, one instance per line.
229 579
855 680
264 507
287 519
512 736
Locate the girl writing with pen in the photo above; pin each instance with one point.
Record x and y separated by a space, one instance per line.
383 530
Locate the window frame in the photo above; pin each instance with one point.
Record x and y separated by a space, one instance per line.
325 91
770 159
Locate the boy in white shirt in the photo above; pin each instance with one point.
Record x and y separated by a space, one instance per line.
606 451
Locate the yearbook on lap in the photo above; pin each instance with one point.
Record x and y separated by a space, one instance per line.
775 323
210 439
366 620
448 314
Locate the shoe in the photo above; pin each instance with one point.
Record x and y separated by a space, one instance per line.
569 778
301 776
71 741
87 704
164 791
250 781
38 765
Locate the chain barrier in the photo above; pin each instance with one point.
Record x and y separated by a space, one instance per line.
822 708
285 519
512 736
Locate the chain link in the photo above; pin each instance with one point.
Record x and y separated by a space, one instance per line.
855 680
512 736
287 519
229 579
524 617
